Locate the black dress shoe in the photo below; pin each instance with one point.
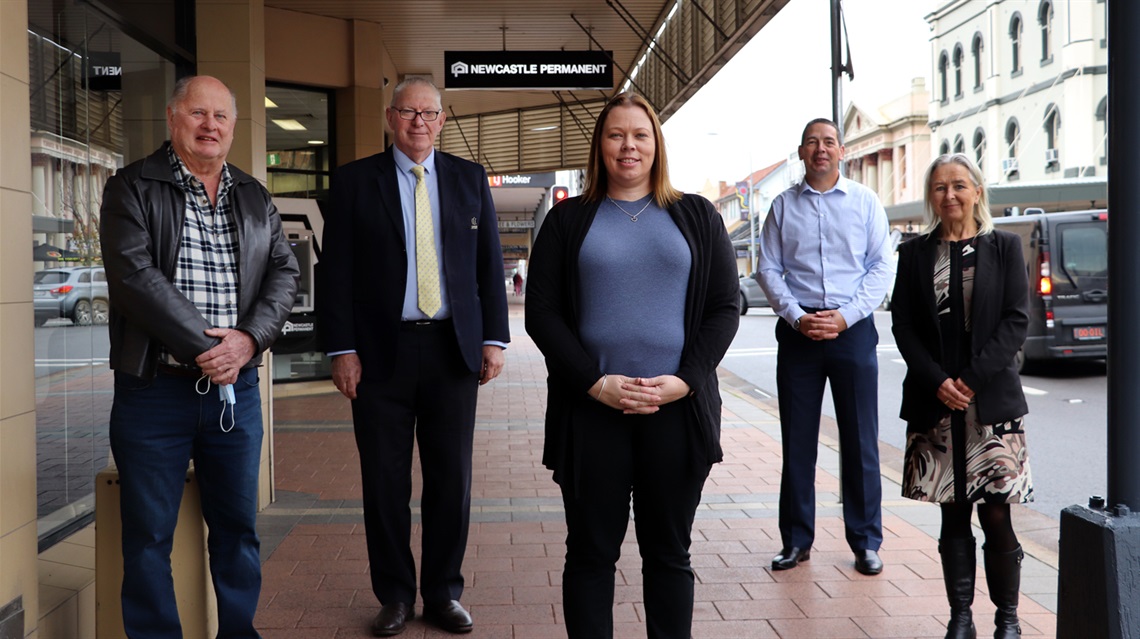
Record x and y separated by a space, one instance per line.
790 558
448 615
392 618
868 562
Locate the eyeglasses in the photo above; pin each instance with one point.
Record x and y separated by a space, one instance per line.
410 114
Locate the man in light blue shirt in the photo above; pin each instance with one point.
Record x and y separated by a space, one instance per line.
824 266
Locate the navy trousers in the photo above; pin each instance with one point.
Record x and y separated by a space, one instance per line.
803 366
157 427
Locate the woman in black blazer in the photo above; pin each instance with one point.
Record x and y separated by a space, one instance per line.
960 314
632 298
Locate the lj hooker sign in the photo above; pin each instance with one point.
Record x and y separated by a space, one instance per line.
528 70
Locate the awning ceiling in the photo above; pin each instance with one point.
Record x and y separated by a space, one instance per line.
511 131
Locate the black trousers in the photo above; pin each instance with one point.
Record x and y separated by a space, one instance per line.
648 458
429 400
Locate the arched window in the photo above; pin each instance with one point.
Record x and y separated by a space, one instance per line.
1015 41
943 63
1102 117
959 145
958 70
1045 19
976 49
1052 124
1012 140
980 147
944 148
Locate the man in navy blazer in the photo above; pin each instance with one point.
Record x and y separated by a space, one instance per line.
413 311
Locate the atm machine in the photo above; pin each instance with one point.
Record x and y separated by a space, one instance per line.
297 354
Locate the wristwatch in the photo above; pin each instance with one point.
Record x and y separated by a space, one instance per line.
796 324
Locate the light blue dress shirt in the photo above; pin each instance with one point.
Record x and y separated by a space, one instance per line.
407 183
826 250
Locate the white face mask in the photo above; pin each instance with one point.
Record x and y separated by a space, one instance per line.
226 394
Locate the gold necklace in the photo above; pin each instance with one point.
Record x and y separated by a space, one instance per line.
632 216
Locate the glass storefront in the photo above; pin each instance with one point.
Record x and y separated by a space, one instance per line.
97 100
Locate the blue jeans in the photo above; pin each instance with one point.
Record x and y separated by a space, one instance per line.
157 427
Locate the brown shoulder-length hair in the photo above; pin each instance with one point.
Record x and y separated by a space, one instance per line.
597 181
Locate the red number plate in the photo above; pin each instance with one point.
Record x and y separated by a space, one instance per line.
1088 332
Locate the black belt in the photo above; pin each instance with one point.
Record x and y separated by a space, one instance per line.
425 324
179 371
808 309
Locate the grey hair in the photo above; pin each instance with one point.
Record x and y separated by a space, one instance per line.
416 80
182 87
981 206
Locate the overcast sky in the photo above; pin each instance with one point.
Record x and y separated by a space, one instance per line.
756 106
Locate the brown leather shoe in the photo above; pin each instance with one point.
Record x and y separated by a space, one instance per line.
392 618
449 616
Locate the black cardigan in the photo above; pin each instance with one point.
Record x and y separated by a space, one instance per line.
712 314
999 319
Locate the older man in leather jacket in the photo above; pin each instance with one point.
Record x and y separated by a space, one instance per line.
201 280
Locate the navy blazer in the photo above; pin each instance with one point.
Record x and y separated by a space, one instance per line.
999 320
363 268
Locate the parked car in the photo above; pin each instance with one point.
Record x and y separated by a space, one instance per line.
897 238
1066 257
78 293
751 295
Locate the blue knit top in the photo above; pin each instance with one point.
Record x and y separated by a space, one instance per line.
634 276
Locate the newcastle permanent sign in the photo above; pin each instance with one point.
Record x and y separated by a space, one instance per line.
545 70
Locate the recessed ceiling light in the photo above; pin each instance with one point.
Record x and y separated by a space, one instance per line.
290 125
316 141
270 104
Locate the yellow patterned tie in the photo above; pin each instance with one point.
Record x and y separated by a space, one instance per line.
427 265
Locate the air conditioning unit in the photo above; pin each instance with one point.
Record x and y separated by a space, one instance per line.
1051 156
1009 165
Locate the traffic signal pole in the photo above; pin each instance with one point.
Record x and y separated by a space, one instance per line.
1100 544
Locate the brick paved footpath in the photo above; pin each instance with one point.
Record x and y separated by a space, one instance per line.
316 583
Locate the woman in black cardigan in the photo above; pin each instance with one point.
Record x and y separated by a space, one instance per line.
632 298
960 314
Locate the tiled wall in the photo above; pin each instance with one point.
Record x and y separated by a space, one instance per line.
18 579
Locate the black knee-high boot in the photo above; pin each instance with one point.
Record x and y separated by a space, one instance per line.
1003 575
959 565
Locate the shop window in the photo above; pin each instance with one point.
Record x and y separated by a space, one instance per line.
82 73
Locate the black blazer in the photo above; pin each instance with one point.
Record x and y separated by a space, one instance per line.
712 314
999 319
363 267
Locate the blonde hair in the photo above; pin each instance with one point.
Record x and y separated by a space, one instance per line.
981 206
597 182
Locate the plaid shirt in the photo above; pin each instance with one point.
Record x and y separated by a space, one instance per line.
207 271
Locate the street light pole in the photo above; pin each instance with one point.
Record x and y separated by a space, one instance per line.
751 219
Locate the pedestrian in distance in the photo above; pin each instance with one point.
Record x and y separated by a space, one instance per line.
632 299
825 266
201 280
960 313
416 229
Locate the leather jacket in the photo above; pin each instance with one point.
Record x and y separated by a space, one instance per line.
141 222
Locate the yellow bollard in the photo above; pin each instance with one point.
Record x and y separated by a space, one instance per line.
197 605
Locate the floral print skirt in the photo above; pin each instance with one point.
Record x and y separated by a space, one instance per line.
992 459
